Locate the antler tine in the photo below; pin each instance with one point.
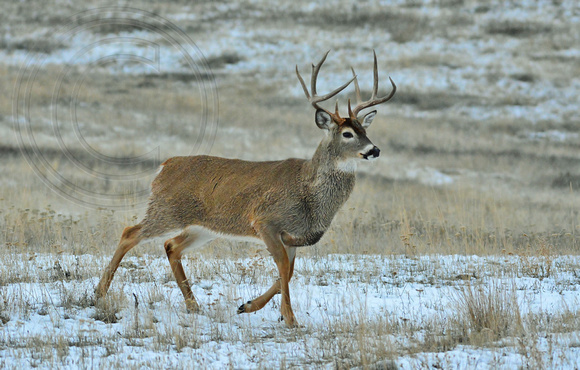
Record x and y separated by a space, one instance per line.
350 114
302 83
375 77
315 70
333 93
312 97
374 100
356 88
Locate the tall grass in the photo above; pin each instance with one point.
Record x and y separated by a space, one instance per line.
488 312
512 197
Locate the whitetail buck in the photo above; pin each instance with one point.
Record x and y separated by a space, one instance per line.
285 204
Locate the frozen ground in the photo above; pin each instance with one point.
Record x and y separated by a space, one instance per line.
509 66
353 310
488 99
488 53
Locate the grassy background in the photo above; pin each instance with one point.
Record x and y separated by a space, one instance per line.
513 184
479 156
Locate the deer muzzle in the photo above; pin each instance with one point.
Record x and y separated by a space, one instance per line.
371 154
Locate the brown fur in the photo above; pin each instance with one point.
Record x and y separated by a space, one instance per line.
286 204
295 199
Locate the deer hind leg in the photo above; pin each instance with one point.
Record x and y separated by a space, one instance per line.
174 248
130 238
259 302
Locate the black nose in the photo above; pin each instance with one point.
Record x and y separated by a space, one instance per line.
374 152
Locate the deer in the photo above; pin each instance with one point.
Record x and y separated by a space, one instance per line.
283 204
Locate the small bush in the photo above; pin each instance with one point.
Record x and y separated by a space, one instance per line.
488 313
35 45
517 28
221 60
566 180
108 308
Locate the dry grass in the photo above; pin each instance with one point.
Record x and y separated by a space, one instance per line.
512 195
143 311
488 313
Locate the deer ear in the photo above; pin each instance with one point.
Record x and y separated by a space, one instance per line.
368 118
323 119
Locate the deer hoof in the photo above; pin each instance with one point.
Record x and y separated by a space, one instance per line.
291 323
242 308
191 305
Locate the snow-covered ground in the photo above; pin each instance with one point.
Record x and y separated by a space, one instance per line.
352 310
484 63
472 61
460 66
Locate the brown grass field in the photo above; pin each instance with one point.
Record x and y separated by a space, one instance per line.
480 153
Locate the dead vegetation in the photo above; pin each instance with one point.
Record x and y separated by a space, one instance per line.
513 169
488 313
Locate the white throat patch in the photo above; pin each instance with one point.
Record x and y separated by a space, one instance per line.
348 165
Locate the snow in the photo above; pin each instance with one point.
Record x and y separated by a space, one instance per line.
428 176
52 325
326 292
481 67
553 135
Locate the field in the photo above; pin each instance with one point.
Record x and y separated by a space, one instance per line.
458 248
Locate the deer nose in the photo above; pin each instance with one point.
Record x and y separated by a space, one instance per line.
374 152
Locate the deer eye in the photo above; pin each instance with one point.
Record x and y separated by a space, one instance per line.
347 134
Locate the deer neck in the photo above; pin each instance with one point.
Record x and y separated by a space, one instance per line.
331 178
327 160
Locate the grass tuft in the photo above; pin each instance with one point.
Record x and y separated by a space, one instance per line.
488 312
108 308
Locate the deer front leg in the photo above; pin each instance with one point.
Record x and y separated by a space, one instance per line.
277 249
259 302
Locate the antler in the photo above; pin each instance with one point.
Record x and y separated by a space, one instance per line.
373 100
315 99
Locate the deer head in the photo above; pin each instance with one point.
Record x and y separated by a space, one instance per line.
347 137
